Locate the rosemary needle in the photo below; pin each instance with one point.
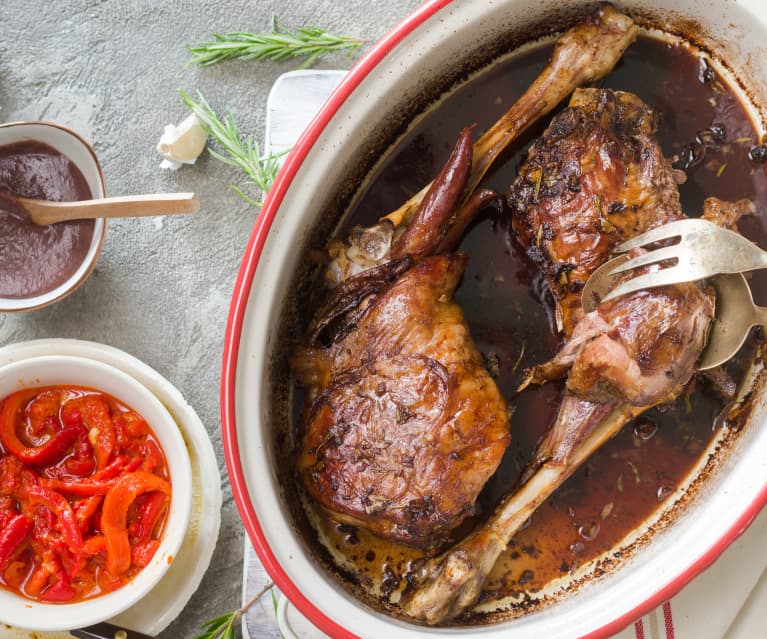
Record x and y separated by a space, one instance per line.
223 626
245 154
278 44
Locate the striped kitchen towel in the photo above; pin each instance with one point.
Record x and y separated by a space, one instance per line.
726 601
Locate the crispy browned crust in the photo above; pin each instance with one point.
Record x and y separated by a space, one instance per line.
406 425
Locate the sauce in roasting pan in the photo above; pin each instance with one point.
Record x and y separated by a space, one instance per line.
511 319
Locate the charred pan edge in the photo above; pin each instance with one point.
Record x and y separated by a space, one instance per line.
303 290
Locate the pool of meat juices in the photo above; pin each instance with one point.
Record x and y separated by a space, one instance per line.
511 318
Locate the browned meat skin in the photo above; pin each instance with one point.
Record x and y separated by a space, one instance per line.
431 223
595 178
726 214
436 226
403 426
445 586
640 348
407 426
586 53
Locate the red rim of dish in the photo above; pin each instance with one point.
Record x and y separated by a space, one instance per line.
234 333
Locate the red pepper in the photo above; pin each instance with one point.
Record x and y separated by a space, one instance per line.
13 537
61 589
59 506
149 514
37 581
43 412
79 467
129 426
59 592
84 511
15 479
81 462
97 484
152 455
120 464
70 520
95 545
93 412
51 451
15 573
114 515
142 553
80 487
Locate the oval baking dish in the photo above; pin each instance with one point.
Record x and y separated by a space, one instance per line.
434 48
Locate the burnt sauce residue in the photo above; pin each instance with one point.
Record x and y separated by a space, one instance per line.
510 316
36 259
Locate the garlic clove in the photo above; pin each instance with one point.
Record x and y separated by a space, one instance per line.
182 144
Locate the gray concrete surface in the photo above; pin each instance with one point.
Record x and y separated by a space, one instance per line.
161 290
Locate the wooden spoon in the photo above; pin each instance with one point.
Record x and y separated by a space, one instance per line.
44 212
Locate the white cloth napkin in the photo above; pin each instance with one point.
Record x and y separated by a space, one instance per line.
726 601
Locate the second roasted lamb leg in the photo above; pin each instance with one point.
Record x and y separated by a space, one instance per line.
595 178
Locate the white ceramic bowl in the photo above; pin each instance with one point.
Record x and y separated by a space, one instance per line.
83 156
80 371
375 98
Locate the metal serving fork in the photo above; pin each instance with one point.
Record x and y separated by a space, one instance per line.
704 249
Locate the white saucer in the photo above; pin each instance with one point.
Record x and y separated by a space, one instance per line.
154 612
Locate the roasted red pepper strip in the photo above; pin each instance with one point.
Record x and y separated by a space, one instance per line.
84 512
15 478
49 452
59 506
114 515
13 537
94 545
143 552
61 588
80 487
148 515
93 412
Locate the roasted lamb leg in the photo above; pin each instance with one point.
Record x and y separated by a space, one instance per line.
403 424
407 426
595 178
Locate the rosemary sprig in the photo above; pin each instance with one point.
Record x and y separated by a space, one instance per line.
244 154
223 627
279 44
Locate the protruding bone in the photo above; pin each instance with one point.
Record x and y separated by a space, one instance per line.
584 54
450 583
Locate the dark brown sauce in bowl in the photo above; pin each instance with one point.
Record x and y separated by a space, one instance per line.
635 475
35 260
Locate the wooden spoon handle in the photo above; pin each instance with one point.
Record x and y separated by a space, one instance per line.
44 212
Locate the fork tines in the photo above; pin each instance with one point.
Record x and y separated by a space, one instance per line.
665 232
682 265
